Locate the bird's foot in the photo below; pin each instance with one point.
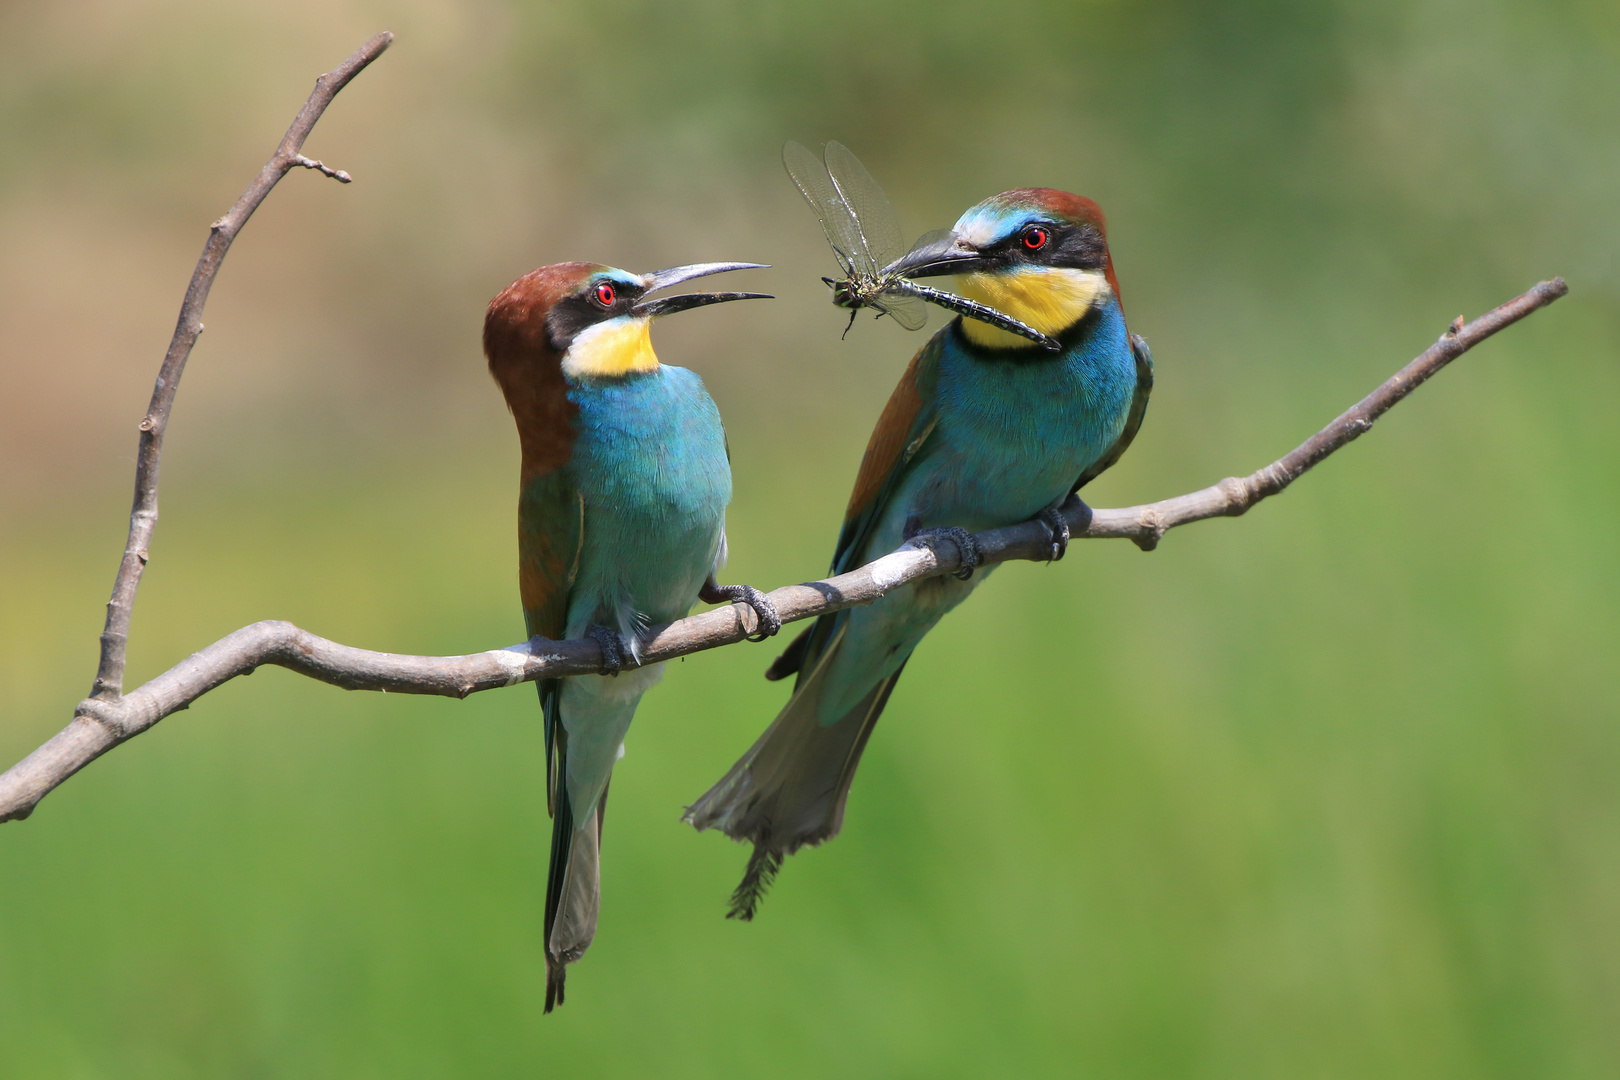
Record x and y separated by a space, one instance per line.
767 620
612 648
1057 531
965 546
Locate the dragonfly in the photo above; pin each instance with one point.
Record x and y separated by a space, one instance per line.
866 239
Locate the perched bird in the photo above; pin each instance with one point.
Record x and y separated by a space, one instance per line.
986 429
621 524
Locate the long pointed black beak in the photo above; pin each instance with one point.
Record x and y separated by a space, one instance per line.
936 255
675 275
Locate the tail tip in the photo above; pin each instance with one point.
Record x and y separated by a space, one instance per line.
556 977
763 865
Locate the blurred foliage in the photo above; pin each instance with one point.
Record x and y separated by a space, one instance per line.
1329 791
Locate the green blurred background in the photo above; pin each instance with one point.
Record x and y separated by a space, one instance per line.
1332 790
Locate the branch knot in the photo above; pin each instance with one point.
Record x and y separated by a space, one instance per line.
1238 493
109 714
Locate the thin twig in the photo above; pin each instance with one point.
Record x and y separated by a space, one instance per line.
99 725
143 517
324 169
1146 524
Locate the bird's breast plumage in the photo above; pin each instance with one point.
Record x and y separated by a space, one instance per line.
1011 433
1017 428
650 465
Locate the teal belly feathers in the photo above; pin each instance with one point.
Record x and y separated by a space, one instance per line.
650 466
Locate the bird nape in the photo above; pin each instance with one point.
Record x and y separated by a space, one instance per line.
987 428
623 489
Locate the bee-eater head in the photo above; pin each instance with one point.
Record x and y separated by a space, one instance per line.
589 320
1037 254
573 321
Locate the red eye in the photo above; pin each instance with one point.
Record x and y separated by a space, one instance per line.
1035 238
605 294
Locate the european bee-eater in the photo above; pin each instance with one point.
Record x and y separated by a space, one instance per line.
986 429
621 524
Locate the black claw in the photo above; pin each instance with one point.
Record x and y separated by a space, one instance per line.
1057 529
612 648
965 546
769 620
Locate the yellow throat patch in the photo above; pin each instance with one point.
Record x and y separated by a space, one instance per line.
616 347
1049 299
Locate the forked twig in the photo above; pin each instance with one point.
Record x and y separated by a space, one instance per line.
143 517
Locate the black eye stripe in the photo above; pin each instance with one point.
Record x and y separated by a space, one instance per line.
583 309
1082 247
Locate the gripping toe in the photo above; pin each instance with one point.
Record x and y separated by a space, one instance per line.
963 540
767 619
1057 530
612 648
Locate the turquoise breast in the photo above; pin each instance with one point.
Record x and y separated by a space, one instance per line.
651 464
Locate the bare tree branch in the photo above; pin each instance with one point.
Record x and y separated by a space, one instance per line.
143 517
1231 497
99 724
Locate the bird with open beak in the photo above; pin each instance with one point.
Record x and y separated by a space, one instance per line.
621 525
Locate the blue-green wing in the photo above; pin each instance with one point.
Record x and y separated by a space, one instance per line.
1133 420
551 533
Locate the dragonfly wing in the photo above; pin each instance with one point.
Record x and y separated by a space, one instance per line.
909 311
932 238
875 223
809 175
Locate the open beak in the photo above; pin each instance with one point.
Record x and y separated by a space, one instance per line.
935 255
663 279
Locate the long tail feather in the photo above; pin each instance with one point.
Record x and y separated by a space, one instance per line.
573 886
789 789
763 865
792 658
562 840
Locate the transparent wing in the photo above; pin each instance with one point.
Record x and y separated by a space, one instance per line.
877 229
940 238
909 311
929 239
809 175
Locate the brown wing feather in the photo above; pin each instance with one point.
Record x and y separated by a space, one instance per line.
888 442
528 367
551 534
902 428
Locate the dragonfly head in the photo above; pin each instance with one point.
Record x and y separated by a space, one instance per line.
1036 254
592 320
